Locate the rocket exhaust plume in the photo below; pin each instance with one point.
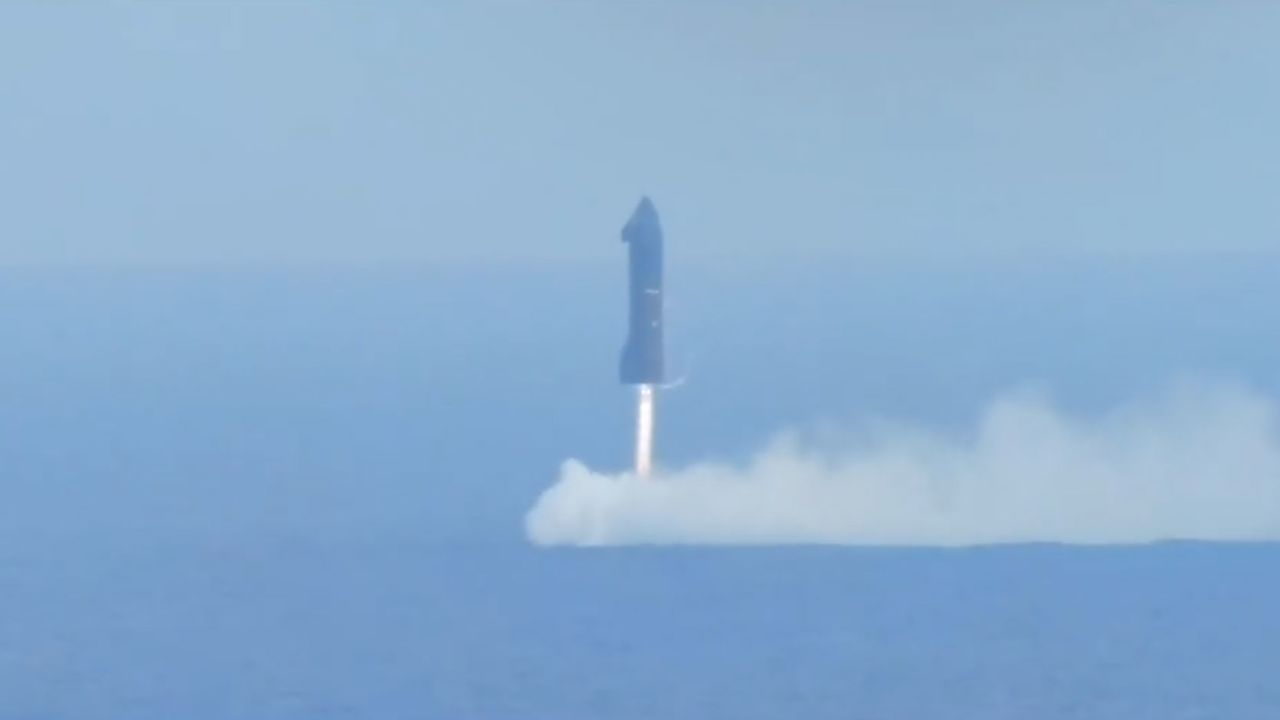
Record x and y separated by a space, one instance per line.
644 430
642 356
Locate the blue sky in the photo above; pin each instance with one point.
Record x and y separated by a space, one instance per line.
392 134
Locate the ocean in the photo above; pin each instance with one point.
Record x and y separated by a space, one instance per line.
300 494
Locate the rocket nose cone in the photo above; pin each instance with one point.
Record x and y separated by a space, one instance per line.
645 208
643 219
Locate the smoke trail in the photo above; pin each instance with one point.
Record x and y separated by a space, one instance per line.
1197 463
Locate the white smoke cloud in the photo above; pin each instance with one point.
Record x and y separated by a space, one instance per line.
1196 463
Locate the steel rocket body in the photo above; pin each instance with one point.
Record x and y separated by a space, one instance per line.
642 355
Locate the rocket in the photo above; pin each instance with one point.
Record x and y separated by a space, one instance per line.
642 354
641 364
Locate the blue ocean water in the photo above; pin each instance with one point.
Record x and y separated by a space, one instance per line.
305 630
300 495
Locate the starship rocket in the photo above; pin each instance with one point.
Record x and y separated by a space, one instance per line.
642 363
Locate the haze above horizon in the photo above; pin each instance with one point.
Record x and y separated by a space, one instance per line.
358 135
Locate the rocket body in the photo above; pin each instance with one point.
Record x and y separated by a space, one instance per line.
642 355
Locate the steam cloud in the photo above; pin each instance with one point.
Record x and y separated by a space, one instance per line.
1198 462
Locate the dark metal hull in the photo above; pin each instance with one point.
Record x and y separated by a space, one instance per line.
642 355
